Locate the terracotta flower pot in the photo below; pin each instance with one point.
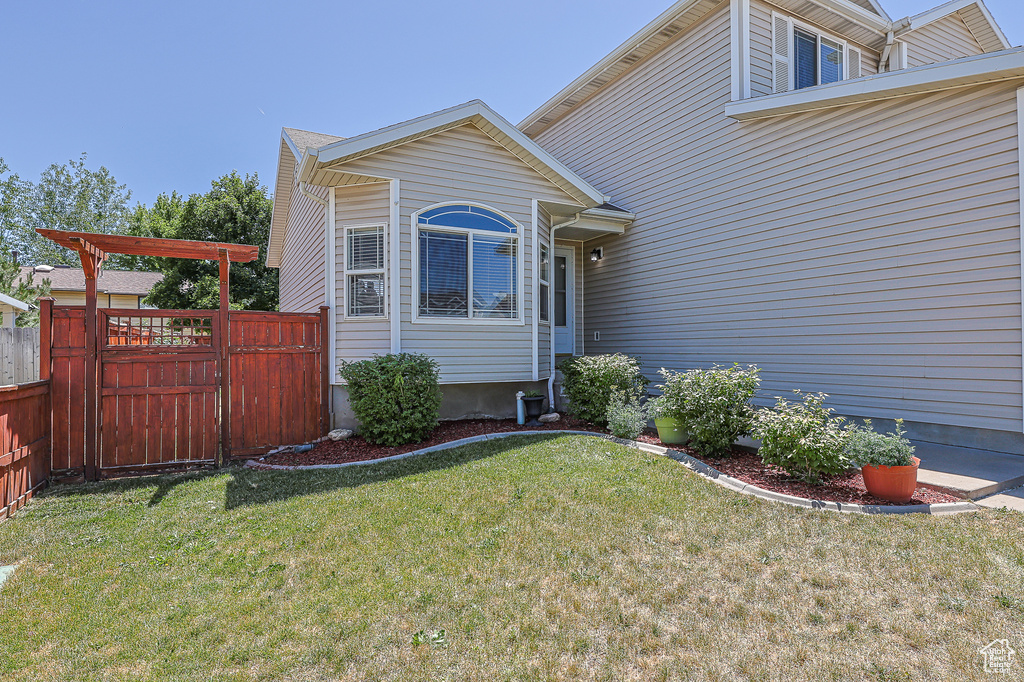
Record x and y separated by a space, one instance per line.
896 484
669 431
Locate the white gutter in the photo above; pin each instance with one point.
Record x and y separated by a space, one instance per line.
309 195
551 306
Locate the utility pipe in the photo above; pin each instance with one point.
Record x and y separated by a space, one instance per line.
551 307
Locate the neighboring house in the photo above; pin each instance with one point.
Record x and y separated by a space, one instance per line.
10 308
116 288
803 184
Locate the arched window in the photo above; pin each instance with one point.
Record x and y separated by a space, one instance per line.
468 263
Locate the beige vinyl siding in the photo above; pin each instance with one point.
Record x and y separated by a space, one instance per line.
102 300
358 338
868 251
302 282
464 164
761 82
948 38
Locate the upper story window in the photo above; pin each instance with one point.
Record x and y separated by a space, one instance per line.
805 57
468 263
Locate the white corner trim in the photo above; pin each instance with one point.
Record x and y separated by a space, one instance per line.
739 25
331 288
395 286
1020 184
535 289
980 69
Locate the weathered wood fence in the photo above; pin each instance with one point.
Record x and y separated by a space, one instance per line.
19 355
24 443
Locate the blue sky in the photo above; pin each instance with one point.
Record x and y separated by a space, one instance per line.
171 95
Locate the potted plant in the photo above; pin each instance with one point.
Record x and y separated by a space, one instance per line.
670 431
533 401
887 462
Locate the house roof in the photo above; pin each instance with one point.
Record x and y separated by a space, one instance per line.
127 282
864 21
320 165
12 302
303 139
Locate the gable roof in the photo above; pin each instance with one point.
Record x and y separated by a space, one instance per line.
318 165
127 282
861 20
974 13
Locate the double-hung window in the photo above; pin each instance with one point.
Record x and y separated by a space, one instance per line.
804 57
365 282
468 264
544 279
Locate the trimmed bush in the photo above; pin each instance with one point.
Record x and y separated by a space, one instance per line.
396 398
711 405
803 439
589 382
866 446
626 419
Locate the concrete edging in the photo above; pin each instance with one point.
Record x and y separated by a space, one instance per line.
691 463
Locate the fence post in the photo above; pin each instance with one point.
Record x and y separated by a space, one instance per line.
325 371
225 369
45 336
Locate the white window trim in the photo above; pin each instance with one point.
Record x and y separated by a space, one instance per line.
543 282
847 49
345 272
519 321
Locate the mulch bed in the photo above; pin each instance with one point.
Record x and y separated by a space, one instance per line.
745 466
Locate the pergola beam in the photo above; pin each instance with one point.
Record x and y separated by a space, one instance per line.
151 246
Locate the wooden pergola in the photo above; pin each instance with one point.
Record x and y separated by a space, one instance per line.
92 249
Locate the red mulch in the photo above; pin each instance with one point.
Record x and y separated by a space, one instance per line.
745 466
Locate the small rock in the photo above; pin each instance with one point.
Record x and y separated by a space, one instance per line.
549 418
340 434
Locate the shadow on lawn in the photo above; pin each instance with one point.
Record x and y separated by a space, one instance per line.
252 486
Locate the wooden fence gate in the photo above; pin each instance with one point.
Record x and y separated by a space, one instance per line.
183 387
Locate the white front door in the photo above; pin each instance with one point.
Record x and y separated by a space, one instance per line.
564 308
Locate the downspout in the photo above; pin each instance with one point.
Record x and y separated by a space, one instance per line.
308 194
551 306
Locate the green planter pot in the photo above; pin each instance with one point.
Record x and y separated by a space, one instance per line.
670 432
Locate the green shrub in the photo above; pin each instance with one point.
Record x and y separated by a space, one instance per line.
803 439
658 408
712 405
626 418
589 382
866 446
396 398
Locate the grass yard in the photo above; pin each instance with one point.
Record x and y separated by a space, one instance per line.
543 558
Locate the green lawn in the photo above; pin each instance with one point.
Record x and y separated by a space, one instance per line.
544 558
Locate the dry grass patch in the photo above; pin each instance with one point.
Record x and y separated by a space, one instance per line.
550 558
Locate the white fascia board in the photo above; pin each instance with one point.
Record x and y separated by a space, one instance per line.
291 145
450 118
611 216
857 15
274 248
641 36
306 165
13 302
942 11
995 66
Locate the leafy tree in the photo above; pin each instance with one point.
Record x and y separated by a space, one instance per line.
28 290
71 197
236 210
13 192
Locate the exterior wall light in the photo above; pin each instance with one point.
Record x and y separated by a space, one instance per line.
597 254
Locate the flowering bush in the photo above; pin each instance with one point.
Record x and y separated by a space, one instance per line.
803 439
712 405
866 446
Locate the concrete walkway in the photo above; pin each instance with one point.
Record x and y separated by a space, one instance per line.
974 474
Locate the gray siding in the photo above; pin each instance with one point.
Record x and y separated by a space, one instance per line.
464 164
358 338
940 41
869 251
303 264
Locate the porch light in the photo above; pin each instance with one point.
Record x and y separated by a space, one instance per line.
597 254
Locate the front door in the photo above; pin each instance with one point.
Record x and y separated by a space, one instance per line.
564 308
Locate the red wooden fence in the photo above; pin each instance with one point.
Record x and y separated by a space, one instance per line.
175 390
24 443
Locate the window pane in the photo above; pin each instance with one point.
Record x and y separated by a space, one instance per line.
806 58
494 277
545 268
366 295
544 304
831 61
443 274
470 217
560 290
366 248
